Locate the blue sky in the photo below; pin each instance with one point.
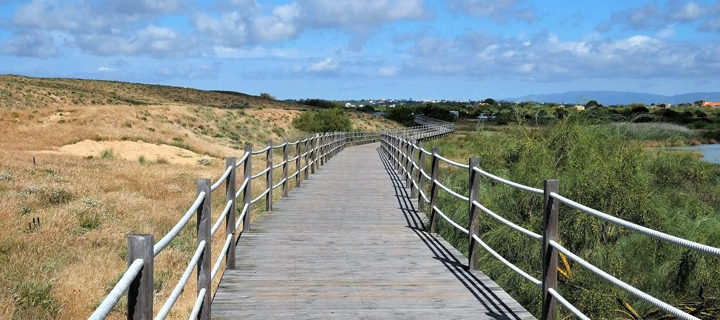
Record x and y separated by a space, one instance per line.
352 49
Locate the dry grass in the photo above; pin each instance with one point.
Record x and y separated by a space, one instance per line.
87 206
18 92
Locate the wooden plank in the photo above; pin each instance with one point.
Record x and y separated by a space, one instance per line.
349 244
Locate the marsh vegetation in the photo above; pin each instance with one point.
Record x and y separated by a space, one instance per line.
607 167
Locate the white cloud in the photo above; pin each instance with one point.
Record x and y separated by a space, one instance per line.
652 16
108 27
498 10
236 29
689 12
547 57
324 66
230 30
89 16
156 41
343 13
668 32
256 52
358 17
389 71
30 44
281 25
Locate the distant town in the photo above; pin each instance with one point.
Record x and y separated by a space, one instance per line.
392 103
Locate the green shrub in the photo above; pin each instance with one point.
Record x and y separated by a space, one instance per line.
328 120
402 114
320 103
89 220
107 154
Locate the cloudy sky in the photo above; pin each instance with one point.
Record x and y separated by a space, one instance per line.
351 49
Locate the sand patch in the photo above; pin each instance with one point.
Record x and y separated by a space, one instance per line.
132 151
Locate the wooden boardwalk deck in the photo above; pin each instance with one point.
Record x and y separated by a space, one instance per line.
348 243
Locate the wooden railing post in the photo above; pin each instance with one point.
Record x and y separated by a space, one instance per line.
406 161
473 217
421 177
307 156
328 146
321 149
333 145
297 163
413 181
396 152
434 189
230 220
339 143
140 292
550 256
313 155
269 177
401 159
204 266
247 194
286 153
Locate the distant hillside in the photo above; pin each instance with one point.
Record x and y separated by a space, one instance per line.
19 92
617 97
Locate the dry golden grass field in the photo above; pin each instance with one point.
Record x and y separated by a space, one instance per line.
85 163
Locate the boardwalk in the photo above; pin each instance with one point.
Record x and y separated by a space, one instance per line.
348 244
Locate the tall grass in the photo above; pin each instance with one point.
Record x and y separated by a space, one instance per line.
655 131
599 166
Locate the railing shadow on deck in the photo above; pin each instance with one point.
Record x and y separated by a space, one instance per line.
468 278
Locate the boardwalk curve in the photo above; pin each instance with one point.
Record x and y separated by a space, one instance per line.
349 244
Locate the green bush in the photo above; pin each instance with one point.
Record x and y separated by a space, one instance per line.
320 103
328 120
599 166
402 114
107 154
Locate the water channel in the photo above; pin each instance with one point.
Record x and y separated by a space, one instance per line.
711 152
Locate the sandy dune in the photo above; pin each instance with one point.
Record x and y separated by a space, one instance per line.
132 150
